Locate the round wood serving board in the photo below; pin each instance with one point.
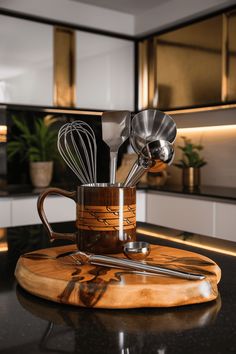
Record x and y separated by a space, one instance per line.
61 280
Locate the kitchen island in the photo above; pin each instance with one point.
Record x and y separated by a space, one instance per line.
33 325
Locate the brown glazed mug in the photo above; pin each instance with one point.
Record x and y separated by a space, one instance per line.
105 217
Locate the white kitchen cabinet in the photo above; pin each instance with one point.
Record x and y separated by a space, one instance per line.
5 212
141 206
225 221
104 72
180 213
26 62
57 209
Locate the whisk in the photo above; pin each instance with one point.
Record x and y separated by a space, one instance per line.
77 146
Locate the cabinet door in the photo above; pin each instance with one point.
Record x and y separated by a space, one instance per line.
180 213
26 62
57 209
225 221
5 212
189 65
104 72
141 206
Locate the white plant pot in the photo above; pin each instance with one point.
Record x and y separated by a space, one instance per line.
41 173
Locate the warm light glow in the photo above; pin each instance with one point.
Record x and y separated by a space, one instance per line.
214 128
185 242
3 247
3 133
3 233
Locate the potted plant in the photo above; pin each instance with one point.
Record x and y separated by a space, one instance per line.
38 146
190 163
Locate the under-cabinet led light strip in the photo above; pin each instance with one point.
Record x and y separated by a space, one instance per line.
3 133
146 232
208 128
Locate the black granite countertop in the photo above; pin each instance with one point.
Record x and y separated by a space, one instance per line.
32 325
203 192
226 194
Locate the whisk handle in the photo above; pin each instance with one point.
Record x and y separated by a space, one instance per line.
40 205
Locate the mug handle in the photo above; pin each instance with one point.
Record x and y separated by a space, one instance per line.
40 205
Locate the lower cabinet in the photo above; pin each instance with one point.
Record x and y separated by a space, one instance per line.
225 221
180 213
57 209
211 218
141 197
5 212
23 211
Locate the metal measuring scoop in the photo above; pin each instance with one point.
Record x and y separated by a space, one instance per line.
155 156
150 125
137 250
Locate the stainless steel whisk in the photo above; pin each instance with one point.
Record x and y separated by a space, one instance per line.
77 146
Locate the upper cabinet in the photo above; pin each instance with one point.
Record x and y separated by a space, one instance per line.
104 72
230 67
26 62
45 65
191 66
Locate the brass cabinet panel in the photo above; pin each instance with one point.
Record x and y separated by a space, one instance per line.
64 67
189 65
231 72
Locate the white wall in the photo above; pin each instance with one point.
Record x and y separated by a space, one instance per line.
76 13
219 147
166 14
174 12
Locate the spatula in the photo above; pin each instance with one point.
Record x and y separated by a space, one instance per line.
115 130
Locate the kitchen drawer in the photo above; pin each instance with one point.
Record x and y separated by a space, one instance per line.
141 206
225 221
180 213
5 212
57 209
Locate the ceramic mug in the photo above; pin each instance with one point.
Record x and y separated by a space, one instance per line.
105 217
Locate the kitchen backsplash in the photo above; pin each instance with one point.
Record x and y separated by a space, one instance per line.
219 152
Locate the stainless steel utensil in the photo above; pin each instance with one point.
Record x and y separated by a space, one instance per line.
108 261
77 146
150 125
115 130
137 250
154 155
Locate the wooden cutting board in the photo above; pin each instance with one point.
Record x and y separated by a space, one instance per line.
60 280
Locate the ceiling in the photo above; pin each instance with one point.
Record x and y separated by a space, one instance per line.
134 7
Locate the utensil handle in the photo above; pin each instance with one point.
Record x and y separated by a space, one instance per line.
136 172
113 164
128 264
40 205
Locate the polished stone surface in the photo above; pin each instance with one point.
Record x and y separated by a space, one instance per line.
219 193
32 325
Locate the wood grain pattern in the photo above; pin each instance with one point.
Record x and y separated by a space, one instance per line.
61 280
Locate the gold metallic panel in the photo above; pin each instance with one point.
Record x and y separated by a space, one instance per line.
64 67
143 76
224 86
189 65
147 74
231 82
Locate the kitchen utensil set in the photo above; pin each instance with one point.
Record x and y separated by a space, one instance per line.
151 135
